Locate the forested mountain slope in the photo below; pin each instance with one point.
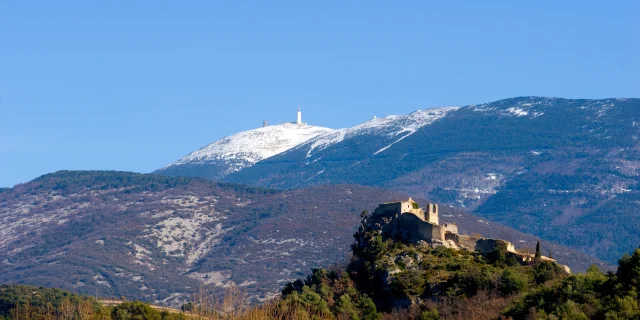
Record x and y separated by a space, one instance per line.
158 238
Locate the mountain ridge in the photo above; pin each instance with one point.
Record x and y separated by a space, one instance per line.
243 149
492 156
158 238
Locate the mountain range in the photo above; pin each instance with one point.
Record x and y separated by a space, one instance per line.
565 170
159 239
287 198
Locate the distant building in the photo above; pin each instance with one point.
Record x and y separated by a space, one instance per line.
412 224
299 120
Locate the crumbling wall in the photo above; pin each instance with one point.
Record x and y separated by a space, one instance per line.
432 213
405 227
419 213
467 242
387 208
451 228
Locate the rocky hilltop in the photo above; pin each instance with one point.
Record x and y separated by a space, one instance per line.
402 269
406 222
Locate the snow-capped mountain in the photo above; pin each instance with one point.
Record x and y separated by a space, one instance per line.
241 150
563 169
558 168
390 130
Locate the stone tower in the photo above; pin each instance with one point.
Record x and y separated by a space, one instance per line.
299 116
432 213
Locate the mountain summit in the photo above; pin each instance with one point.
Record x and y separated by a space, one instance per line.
566 170
243 149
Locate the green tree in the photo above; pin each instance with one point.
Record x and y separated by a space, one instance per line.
134 310
571 311
188 307
369 311
344 307
544 271
512 282
628 274
431 314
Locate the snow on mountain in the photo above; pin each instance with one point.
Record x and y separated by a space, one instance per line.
395 127
245 148
531 107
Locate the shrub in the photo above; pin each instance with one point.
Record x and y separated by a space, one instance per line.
512 282
134 310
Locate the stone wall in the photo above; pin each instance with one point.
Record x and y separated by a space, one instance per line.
432 213
400 221
405 227
398 208
451 228
484 245
385 208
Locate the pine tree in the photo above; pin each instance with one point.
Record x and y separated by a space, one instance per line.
538 255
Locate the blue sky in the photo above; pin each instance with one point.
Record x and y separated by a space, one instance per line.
134 85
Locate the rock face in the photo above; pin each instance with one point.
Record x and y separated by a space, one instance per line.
241 150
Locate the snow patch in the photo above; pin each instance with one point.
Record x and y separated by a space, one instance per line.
392 126
245 148
518 112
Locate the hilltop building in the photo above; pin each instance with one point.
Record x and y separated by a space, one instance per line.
409 223
405 221
299 119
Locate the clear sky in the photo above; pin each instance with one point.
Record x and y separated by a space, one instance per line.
134 85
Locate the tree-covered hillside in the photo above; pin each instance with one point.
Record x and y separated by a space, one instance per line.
38 303
387 279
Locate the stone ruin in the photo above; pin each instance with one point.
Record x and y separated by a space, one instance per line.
405 221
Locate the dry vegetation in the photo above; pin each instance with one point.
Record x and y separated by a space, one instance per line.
157 238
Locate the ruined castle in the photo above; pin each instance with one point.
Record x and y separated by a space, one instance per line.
405 221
